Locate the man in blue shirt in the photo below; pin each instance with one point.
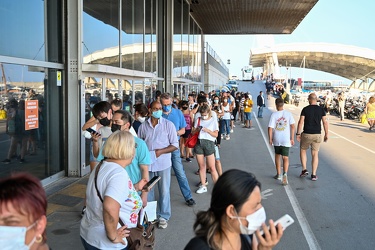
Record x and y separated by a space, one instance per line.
177 118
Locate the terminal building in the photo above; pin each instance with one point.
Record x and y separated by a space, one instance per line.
59 57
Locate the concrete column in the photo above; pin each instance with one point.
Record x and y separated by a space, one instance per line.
165 44
74 96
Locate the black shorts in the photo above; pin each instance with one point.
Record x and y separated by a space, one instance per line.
187 133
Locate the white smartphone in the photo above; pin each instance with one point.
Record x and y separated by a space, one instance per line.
285 222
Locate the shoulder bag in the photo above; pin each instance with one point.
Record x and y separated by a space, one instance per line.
141 237
192 139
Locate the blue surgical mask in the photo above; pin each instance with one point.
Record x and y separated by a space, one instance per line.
14 237
216 101
167 108
157 114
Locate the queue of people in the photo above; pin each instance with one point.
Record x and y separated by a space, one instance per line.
235 216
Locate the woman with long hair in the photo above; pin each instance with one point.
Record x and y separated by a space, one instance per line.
235 217
208 129
189 118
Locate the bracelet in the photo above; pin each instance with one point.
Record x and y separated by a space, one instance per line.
298 134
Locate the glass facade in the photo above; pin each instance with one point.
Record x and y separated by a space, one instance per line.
31 107
186 51
123 53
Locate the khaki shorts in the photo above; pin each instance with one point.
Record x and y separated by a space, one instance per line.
312 140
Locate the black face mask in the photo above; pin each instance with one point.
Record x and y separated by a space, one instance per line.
184 108
115 127
105 121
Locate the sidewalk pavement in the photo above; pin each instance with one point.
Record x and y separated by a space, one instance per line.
246 150
65 197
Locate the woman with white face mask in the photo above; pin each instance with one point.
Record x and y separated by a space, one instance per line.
207 127
23 206
235 217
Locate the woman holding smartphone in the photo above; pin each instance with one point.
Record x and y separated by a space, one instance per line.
208 130
235 217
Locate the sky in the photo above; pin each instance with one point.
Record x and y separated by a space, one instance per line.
344 22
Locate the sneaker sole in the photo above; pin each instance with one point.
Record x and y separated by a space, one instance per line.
304 175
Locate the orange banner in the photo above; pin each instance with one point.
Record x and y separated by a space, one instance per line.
31 114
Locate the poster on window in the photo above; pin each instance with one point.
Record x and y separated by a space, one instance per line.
31 115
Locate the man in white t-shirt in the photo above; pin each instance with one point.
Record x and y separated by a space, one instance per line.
281 136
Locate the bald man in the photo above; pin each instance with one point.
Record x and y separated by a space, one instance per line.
310 119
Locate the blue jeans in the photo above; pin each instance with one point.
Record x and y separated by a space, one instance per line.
164 186
225 126
260 111
178 169
87 246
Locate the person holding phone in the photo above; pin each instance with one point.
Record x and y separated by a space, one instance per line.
161 139
111 196
235 216
208 130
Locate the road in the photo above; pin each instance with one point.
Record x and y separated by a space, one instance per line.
337 211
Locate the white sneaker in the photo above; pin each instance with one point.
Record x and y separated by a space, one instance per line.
285 180
163 223
231 130
202 189
228 137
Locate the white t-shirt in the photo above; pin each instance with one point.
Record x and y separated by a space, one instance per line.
113 181
226 115
280 122
211 124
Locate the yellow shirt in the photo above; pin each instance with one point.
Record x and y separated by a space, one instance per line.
248 104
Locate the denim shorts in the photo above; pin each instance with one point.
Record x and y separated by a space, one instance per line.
217 153
247 116
204 147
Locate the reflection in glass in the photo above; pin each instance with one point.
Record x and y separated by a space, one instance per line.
24 29
23 132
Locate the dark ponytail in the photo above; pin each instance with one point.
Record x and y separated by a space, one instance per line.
233 187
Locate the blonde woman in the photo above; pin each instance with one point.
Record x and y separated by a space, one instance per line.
207 127
100 228
370 112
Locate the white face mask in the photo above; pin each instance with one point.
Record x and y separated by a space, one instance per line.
141 119
254 221
14 237
205 117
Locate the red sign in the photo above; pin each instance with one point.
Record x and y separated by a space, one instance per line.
31 115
